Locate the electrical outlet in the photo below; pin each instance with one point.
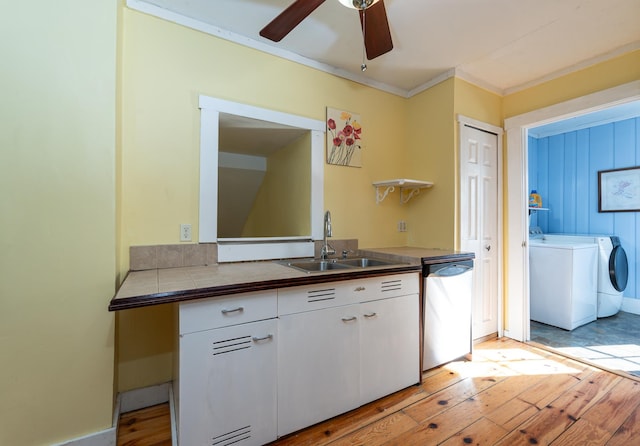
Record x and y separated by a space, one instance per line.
185 233
402 226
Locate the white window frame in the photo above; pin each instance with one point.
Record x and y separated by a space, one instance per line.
263 248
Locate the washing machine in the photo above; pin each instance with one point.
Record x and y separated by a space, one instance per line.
613 268
562 283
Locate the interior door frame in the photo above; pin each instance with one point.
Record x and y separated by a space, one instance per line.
498 131
517 233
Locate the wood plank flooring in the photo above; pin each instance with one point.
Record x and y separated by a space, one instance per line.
150 426
510 394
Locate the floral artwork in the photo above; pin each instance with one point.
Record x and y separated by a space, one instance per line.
344 138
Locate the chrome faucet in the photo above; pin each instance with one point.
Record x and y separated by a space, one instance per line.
327 249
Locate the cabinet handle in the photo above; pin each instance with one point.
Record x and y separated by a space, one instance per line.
349 319
263 338
372 314
360 288
233 310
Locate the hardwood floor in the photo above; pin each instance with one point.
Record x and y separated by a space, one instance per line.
510 394
150 426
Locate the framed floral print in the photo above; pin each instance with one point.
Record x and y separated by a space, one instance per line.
344 138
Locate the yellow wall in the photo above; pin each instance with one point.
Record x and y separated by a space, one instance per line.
164 68
477 103
282 204
430 157
57 201
608 74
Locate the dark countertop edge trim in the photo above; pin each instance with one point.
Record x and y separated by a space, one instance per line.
126 303
448 258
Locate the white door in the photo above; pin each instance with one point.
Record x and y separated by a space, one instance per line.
480 222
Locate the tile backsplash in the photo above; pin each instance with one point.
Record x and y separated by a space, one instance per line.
172 256
349 245
176 256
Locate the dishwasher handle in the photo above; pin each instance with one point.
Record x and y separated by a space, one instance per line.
450 271
447 269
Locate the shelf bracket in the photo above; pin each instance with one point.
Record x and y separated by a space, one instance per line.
408 194
382 195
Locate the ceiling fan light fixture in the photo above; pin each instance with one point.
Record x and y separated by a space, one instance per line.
358 4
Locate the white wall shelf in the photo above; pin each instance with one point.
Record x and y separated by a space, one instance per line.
534 209
408 188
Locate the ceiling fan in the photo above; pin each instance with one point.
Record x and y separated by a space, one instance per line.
373 19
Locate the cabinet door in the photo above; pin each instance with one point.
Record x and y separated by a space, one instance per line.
227 385
318 366
390 350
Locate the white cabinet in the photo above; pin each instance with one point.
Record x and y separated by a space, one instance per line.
256 366
356 342
318 366
226 392
389 346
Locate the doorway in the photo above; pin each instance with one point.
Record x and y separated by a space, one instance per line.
564 158
517 283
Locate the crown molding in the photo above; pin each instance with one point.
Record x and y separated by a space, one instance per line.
156 11
165 14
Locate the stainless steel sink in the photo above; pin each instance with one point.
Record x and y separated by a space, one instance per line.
311 266
364 262
314 265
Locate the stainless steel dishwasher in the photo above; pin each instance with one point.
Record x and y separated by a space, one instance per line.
448 288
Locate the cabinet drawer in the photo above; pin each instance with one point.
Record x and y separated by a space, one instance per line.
332 294
315 297
225 311
384 287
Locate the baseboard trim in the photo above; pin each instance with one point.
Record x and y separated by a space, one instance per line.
630 305
144 397
488 337
126 402
106 437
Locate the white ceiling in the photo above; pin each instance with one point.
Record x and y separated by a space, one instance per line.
503 45
583 121
248 136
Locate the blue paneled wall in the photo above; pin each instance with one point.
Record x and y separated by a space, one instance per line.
564 170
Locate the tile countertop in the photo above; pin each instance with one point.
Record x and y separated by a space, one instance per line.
160 286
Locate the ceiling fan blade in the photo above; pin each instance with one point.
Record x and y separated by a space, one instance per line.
377 35
289 19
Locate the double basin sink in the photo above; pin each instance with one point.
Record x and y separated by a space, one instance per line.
313 266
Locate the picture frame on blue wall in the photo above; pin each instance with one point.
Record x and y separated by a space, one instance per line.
619 190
